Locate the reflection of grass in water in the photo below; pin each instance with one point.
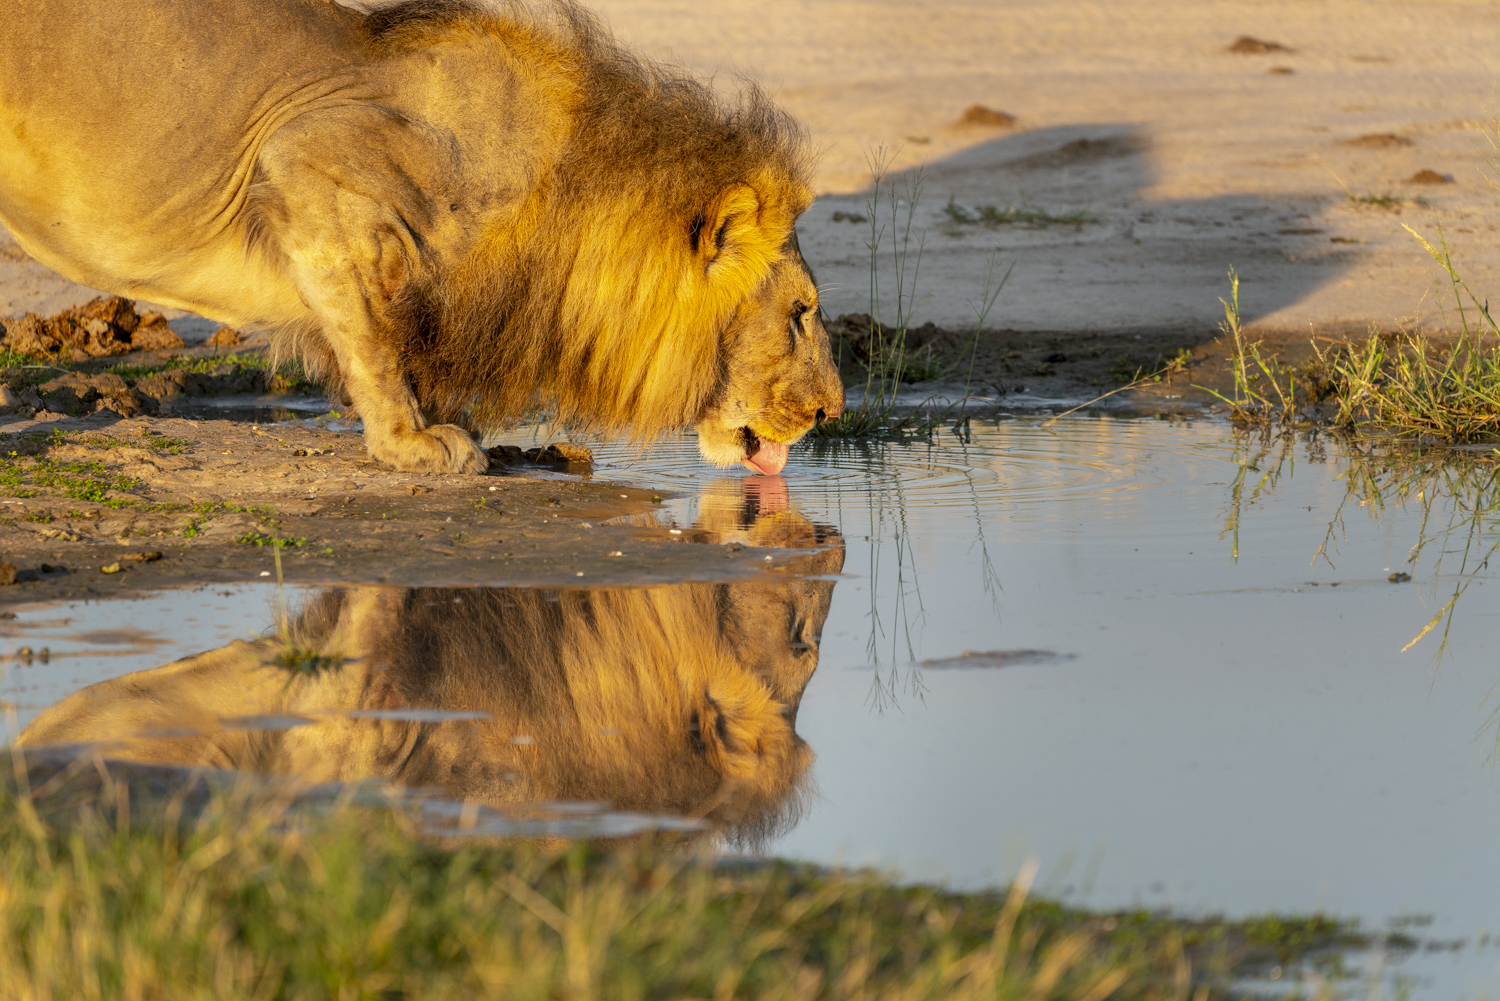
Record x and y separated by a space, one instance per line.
109 896
897 612
1456 490
1458 493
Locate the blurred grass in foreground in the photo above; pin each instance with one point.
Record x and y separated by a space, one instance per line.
100 898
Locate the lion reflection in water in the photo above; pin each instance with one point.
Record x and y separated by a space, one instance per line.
678 699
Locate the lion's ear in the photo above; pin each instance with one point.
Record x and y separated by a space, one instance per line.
742 730
728 236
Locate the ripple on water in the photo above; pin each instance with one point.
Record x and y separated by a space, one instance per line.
1086 462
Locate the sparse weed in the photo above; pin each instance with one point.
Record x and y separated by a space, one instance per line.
255 538
1264 391
889 361
1385 200
1024 216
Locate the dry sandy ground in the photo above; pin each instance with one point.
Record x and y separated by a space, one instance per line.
1201 160
1195 159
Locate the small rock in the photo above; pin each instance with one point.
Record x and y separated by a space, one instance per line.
978 114
1429 177
224 337
573 453
162 387
1247 45
111 568
560 454
1399 578
142 557
7 573
415 489
1378 140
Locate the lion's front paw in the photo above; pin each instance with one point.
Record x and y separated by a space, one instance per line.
443 448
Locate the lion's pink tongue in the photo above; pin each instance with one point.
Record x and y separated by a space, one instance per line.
769 459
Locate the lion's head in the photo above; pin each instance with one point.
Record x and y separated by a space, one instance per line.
779 379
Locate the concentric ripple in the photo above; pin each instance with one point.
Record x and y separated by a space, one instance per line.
1083 463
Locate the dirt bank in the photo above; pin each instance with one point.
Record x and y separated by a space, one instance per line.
1181 367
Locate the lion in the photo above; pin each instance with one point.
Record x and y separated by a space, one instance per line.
452 211
675 699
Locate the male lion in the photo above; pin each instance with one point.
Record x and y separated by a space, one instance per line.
450 210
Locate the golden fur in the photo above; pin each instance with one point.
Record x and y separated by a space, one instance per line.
454 211
678 699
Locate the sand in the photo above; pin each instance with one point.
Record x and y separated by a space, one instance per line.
1194 159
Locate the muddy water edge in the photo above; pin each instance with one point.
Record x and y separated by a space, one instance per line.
1168 660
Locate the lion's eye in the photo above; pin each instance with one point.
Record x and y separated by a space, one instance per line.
794 325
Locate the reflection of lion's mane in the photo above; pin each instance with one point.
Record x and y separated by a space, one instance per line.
678 698
597 287
631 696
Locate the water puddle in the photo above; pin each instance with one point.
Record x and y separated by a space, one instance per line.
1173 663
251 408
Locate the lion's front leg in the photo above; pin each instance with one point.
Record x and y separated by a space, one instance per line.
344 216
395 431
350 298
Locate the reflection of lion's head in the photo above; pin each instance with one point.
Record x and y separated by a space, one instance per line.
652 279
678 699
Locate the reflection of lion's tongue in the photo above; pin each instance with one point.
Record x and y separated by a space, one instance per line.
769 458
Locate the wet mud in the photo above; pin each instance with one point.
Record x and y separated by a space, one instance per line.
104 505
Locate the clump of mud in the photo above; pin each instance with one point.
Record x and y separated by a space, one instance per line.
102 328
978 114
1378 140
74 394
1247 45
559 455
1426 176
862 334
224 337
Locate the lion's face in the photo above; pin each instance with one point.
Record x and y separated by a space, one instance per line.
779 378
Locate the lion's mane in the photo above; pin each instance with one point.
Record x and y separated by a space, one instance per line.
592 297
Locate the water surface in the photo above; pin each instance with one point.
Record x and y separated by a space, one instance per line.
1164 659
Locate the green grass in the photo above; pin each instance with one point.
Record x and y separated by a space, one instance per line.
258 538
290 377
1024 216
1454 491
80 479
108 895
1406 385
1384 200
